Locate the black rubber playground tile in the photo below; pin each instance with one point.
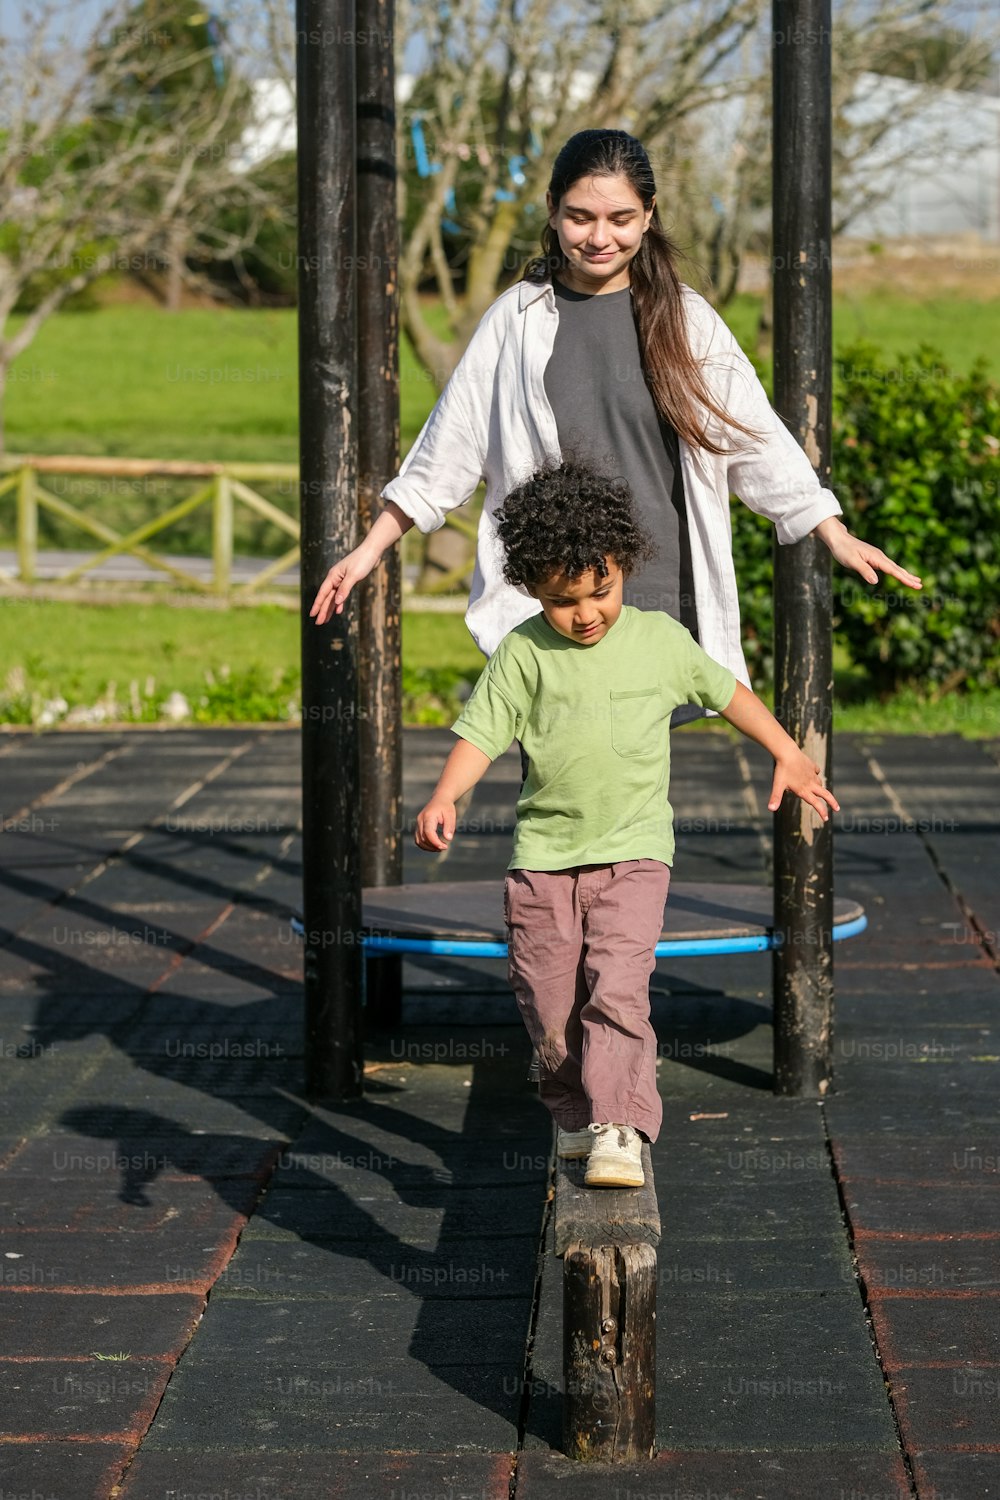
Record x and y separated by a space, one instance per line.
353 1402
955 992
760 1115
295 1475
65 1156
916 1114
687 1266
968 1158
431 998
443 1058
778 1474
789 1206
929 1045
93 951
951 1407
967 1083
282 1331
944 1264
146 1103
390 1125
290 1267
143 1201
920 1209
62 1470
419 1214
898 935
752 1210
74 1399
54 1325
766 1404
171 1256
791 1335
753 1118
225 1035
33 770
960 1476
346 1161
747 976
196 983
700 1014
163 1015
734 1371
761 1164
375 1139
926 1327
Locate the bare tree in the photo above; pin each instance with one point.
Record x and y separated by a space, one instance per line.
880 126
640 65
92 179
664 71
500 86
507 83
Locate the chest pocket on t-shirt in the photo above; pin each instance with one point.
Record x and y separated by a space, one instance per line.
637 726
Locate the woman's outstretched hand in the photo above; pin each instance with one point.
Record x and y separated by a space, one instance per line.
860 556
337 584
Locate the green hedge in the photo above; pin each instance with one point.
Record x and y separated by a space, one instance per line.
916 466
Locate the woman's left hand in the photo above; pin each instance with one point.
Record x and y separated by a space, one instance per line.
851 552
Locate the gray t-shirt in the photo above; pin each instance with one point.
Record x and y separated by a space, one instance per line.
604 411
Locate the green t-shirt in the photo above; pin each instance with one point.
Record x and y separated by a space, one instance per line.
595 725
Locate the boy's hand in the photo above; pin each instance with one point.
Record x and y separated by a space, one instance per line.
462 770
439 812
795 772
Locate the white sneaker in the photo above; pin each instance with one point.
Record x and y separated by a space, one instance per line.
573 1145
615 1157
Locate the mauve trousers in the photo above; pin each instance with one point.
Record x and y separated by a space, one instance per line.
580 945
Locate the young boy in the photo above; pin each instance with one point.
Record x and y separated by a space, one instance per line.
587 687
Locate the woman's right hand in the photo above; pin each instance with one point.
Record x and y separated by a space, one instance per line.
338 583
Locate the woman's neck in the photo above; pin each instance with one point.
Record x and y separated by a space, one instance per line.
588 291
594 288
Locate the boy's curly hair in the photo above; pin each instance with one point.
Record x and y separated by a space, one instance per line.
566 518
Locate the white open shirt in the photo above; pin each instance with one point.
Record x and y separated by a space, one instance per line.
493 423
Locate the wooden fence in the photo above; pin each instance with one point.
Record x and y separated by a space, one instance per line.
223 486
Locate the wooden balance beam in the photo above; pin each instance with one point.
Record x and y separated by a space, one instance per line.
607 1238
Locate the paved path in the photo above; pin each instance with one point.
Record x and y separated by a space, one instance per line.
211 1288
124 568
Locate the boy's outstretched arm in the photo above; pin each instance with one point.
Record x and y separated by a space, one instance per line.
793 770
464 767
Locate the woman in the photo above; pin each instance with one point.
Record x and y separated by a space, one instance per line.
601 351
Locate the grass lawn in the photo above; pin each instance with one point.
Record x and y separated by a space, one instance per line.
223 384
204 383
104 663
961 329
200 384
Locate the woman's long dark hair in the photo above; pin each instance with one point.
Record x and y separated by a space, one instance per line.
673 374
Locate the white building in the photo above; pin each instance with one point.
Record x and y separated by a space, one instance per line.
936 170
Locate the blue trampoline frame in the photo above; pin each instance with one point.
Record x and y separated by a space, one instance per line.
668 948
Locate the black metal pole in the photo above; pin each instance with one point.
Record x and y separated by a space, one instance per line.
328 492
803 652
378 461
